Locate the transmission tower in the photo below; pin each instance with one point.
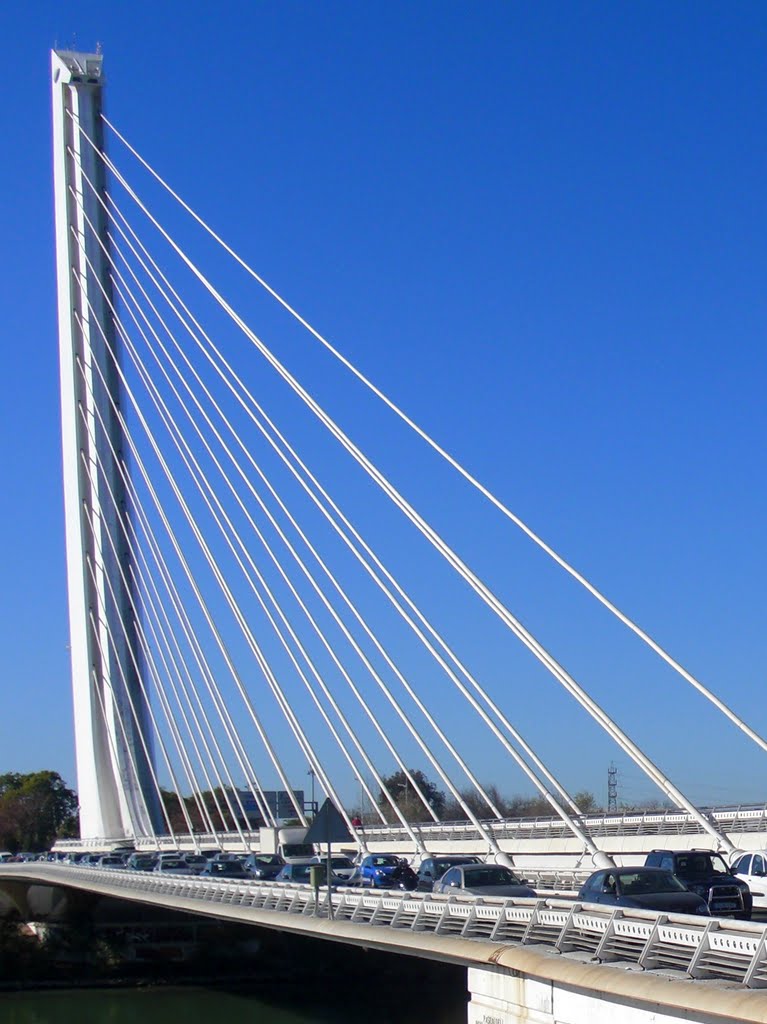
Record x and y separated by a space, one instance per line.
612 789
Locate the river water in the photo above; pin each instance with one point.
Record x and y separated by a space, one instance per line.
160 1005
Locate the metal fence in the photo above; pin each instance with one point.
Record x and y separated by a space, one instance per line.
696 947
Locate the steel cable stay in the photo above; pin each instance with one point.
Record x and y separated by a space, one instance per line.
268 548
201 480
578 833
97 623
235 493
496 811
487 721
157 677
243 547
111 738
237 746
557 671
453 462
103 636
203 486
198 475
204 669
168 643
163 641
539 764
243 765
214 569
166 709
493 808
235 742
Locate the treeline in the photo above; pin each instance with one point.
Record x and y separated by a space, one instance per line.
35 810
449 808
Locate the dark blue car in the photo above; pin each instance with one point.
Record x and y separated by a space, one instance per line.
643 888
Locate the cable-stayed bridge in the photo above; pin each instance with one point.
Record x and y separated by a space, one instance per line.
252 593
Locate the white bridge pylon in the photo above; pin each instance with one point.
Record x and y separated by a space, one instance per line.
220 589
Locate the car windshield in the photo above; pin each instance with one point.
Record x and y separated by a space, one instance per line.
300 873
441 866
387 861
165 864
298 849
700 864
489 875
341 862
268 859
649 881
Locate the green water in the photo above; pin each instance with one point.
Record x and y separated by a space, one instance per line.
212 1006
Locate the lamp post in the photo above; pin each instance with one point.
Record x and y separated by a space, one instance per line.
362 796
313 806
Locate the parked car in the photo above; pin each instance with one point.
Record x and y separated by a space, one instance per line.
751 868
706 873
483 880
264 866
642 888
431 869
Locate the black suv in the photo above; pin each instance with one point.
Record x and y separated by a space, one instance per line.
706 874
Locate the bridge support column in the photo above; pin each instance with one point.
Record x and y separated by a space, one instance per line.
501 995
114 754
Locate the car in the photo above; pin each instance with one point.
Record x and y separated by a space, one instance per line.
376 870
706 873
224 869
171 866
483 880
431 869
195 862
642 888
265 866
297 871
222 857
341 866
141 862
111 860
751 868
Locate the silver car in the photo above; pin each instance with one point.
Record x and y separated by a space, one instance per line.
483 880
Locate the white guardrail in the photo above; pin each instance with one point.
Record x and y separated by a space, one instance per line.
737 819
700 948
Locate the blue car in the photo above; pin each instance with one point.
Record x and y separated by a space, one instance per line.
377 870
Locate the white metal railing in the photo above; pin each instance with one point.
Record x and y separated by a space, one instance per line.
699 947
749 818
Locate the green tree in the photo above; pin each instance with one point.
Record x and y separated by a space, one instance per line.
586 801
406 798
35 809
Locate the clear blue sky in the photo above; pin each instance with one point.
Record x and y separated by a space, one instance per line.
542 229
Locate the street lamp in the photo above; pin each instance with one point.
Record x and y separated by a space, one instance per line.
313 805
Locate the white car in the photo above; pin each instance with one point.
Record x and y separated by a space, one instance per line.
751 868
340 865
